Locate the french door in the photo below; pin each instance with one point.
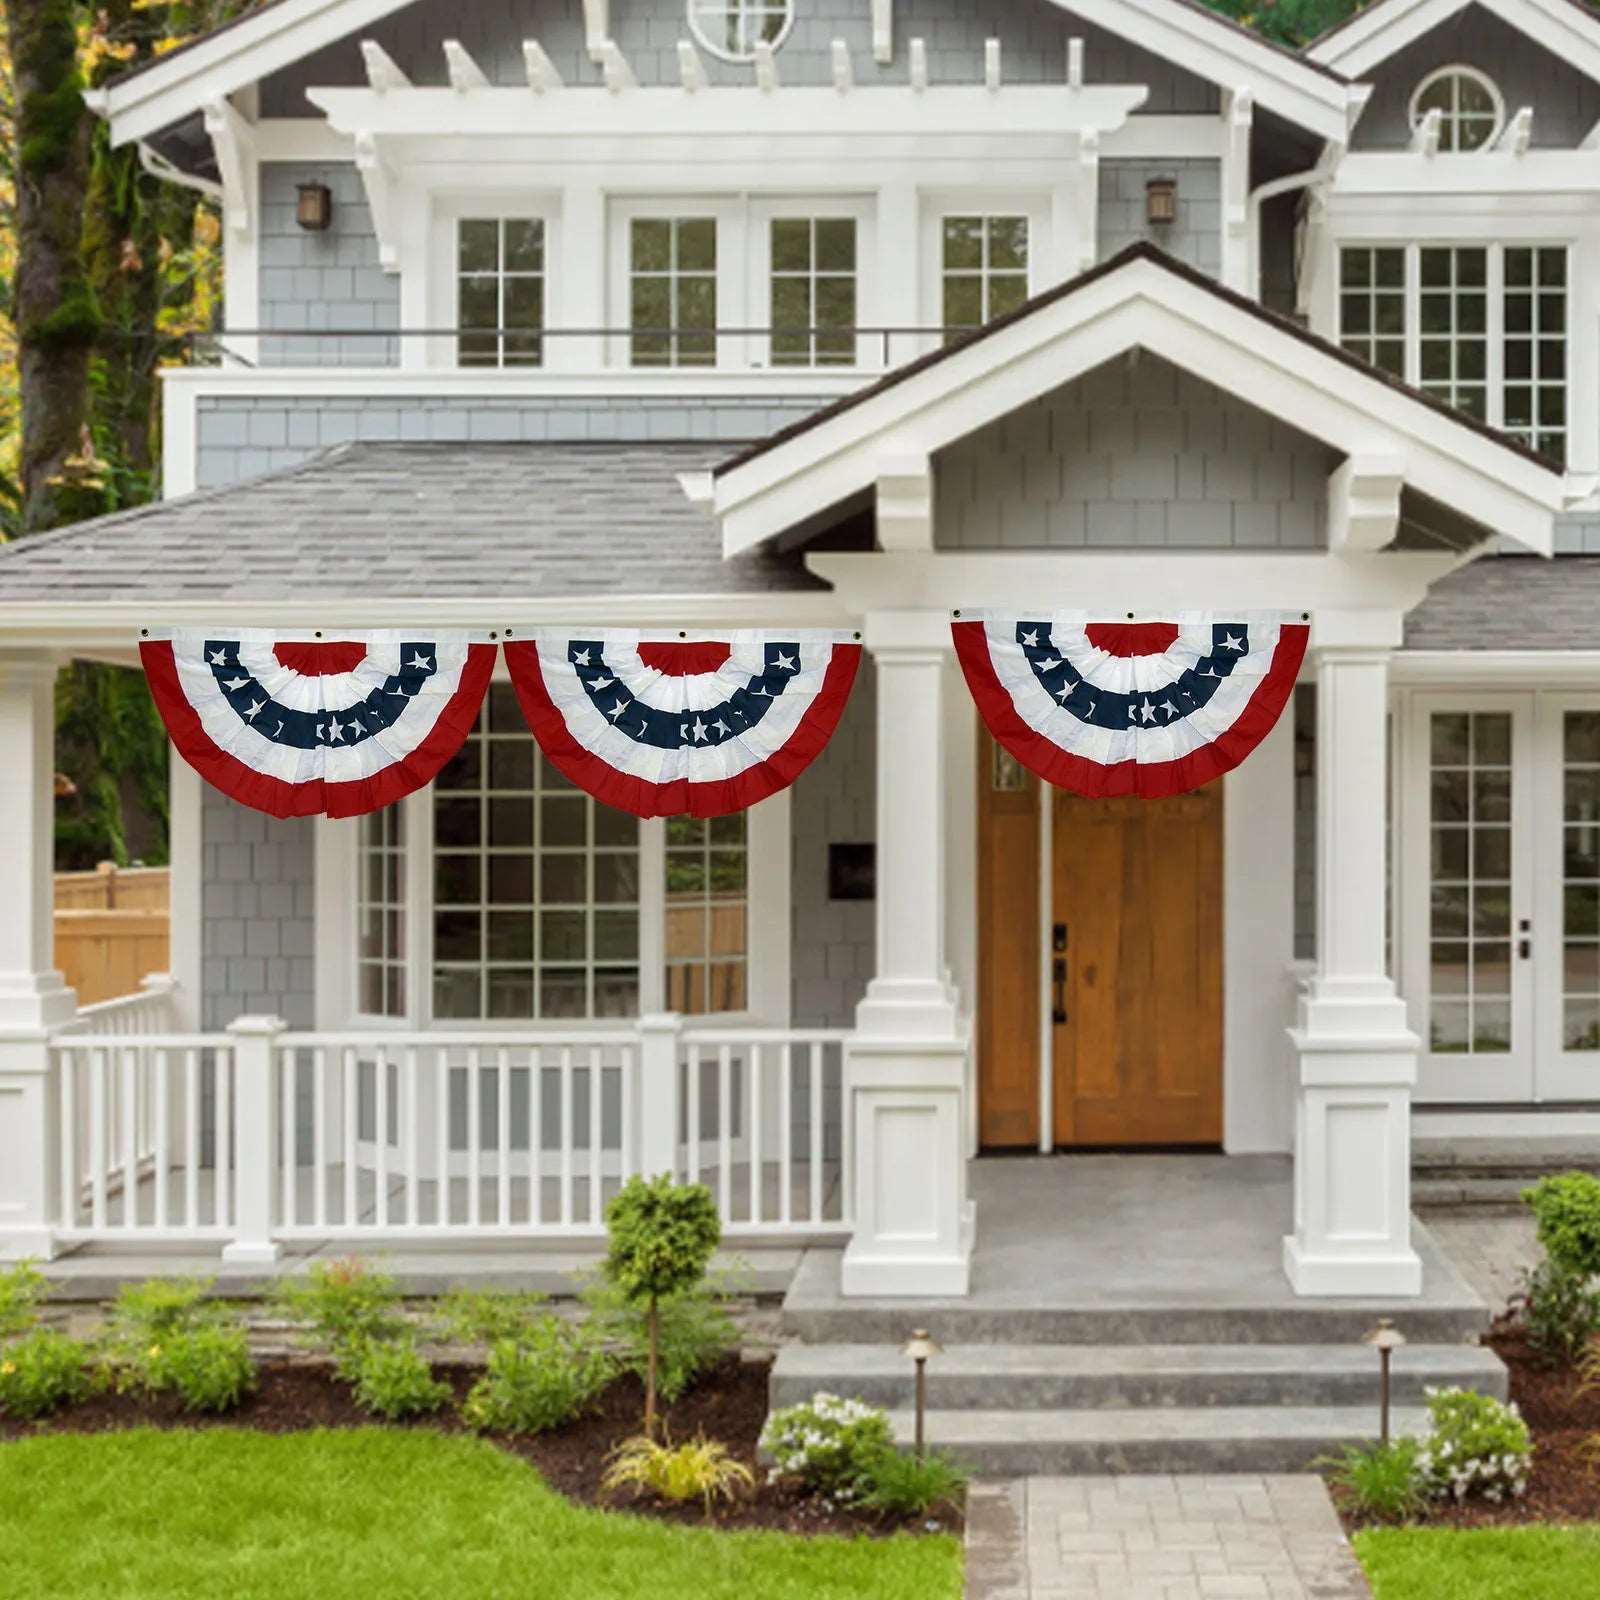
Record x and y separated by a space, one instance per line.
1500 895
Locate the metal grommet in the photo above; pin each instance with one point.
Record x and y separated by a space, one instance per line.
857 633
493 634
955 613
144 633
508 633
1130 616
683 633
316 633
1305 616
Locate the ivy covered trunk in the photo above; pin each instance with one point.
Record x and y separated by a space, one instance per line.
54 307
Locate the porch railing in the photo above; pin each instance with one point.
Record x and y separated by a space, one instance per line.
260 1136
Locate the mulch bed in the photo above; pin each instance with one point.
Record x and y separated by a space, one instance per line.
1564 1485
728 1404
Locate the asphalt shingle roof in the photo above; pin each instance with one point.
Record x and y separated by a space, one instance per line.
1511 603
427 521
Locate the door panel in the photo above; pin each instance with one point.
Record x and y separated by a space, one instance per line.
1008 950
1138 1052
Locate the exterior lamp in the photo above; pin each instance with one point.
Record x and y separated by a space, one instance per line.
1385 1339
314 208
921 1348
1161 201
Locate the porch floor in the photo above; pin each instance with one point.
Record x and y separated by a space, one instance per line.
1136 1248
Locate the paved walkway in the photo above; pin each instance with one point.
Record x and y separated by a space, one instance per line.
1158 1538
1490 1251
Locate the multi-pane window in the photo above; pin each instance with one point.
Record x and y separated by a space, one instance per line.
1468 105
707 914
672 291
1482 327
733 28
380 915
1535 300
813 291
1580 881
536 886
1470 926
1372 305
984 267
500 291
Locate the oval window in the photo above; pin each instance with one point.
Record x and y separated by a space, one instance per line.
1469 106
732 29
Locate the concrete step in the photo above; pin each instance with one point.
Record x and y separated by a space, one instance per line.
1157 1439
1457 1191
996 1377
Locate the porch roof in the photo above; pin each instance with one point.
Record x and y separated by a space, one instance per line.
413 520
1511 602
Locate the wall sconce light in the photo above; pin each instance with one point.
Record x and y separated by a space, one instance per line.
314 209
1161 201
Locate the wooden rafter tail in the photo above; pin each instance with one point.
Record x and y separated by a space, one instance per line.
691 69
465 73
383 71
540 69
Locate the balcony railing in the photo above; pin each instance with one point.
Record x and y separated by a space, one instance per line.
258 1136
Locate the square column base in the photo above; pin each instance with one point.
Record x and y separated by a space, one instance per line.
27 1244
914 1225
240 1254
1351 1275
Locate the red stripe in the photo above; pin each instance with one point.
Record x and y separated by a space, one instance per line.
1152 780
314 659
679 660
1131 638
351 798
595 775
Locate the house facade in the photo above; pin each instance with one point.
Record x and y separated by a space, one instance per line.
716 314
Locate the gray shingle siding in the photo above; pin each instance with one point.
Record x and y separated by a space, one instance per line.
323 280
1033 35
241 437
1566 104
835 802
1578 535
257 939
1134 453
1195 237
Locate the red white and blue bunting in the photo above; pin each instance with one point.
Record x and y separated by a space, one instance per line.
671 724
1149 708
292 724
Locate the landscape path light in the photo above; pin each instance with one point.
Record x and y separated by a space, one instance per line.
1385 1339
921 1349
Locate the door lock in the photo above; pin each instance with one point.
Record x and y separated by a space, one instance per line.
1058 938
1058 974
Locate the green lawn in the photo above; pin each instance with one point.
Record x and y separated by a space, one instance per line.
1481 1563
381 1515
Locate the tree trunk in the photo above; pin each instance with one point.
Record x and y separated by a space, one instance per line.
54 308
650 1374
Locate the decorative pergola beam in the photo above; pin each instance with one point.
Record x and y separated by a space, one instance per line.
596 28
766 66
1238 114
541 70
883 31
614 66
991 65
465 73
918 58
383 71
1074 63
234 146
378 181
691 69
1425 140
843 77
1517 134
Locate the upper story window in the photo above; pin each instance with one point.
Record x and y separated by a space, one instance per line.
732 29
983 267
813 291
1482 327
1469 106
500 291
672 291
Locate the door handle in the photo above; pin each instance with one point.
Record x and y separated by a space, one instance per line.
1058 974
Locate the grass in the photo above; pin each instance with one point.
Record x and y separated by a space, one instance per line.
369 1512
1528 1563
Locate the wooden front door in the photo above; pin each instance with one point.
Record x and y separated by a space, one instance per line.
1136 969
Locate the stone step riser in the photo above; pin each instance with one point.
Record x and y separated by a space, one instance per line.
952 1323
1011 1458
1129 1391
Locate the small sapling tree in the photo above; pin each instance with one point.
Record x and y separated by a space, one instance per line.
662 1237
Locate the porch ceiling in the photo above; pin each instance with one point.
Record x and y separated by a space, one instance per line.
1392 437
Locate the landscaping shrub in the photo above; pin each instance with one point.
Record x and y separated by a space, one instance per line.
1477 1445
340 1301
40 1372
208 1367
900 1485
662 1237
22 1292
700 1470
1566 1207
161 1307
693 1332
1560 1309
483 1316
391 1379
542 1381
1381 1481
829 1444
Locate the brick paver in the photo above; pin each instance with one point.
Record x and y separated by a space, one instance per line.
1245 1537
1490 1252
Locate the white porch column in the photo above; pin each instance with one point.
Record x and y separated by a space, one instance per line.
255 1148
33 999
905 1065
655 1122
1357 1057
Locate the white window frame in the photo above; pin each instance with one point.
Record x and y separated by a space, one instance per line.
1494 312
732 297
760 214
446 211
338 862
938 205
1475 75
721 51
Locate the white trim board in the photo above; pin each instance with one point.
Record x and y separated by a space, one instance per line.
1140 303
1495 1122
1382 30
